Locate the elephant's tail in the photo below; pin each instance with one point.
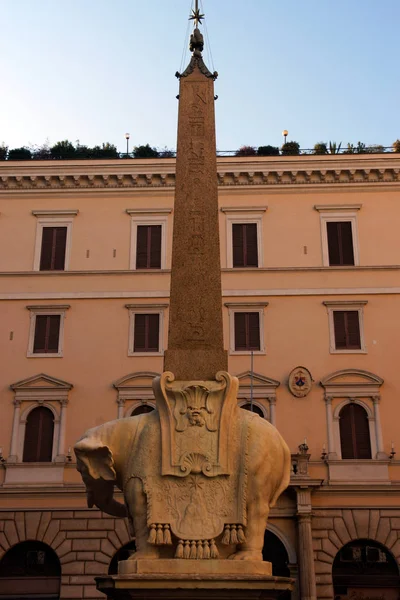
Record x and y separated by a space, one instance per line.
286 470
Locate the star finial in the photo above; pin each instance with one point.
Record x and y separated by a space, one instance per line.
196 15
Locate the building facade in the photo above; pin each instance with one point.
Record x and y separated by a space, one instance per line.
310 265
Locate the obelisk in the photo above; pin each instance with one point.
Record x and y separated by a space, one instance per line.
195 339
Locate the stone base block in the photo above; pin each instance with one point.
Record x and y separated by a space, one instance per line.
193 580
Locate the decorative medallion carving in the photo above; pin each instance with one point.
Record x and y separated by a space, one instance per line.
300 382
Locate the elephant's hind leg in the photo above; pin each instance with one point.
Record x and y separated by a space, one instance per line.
137 506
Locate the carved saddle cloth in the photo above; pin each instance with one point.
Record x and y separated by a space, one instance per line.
195 482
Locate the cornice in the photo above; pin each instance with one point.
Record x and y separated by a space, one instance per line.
233 172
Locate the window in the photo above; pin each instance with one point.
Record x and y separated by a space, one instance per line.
246 327
53 239
47 334
52 254
354 432
135 393
346 326
247 331
244 227
339 234
146 329
148 247
141 410
148 238
39 431
347 329
254 408
340 243
244 241
46 331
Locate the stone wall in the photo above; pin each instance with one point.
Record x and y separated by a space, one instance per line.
332 529
84 540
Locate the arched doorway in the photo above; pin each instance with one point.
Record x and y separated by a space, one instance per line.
365 568
122 554
275 552
30 570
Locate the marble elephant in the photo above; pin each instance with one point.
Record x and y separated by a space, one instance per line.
109 455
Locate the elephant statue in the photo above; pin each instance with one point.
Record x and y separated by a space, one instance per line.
198 474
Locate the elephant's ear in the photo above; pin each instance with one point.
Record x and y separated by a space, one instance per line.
95 460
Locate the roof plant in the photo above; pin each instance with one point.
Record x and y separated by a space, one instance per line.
145 152
320 148
20 154
268 151
246 151
290 149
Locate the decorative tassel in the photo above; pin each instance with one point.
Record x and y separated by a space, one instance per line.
234 538
159 535
226 537
193 550
240 535
199 549
213 550
186 549
152 534
206 549
167 535
179 550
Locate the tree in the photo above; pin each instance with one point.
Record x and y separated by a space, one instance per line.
63 150
320 148
3 151
268 151
145 152
19 154
246 151
291 149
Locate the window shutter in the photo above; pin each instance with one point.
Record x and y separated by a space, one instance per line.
251 248
340 243
153 329
141 247
60 245
39 431
254 331
352 323
346 243
140 333
46 249
240 331
39 342
53 327
147 333
354 432
238 245
155 247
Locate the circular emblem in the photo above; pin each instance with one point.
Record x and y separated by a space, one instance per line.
300 382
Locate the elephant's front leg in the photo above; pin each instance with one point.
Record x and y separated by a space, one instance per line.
136 501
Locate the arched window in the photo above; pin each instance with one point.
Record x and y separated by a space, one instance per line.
30 570
141 410
275 552
38 443
354 432
256 409
367 566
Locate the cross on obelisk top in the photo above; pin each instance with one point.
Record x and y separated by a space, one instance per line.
196 16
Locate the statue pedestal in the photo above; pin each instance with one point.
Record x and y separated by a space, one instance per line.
173 579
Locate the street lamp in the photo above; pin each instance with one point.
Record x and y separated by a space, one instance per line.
285 134
127 136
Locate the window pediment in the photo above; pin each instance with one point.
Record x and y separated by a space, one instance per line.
351 382
260 383
41 381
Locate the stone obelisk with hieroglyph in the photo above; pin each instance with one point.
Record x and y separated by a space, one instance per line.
195 339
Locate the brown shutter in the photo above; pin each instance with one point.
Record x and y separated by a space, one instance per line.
347 329
140 333
240 331
46 252
238 245
253 331
52 257
47 334
59 248
155 247
141 247
250 243
340 243
153 328
39 430
354 432
146 333
39 342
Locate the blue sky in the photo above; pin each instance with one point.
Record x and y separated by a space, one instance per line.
90 70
